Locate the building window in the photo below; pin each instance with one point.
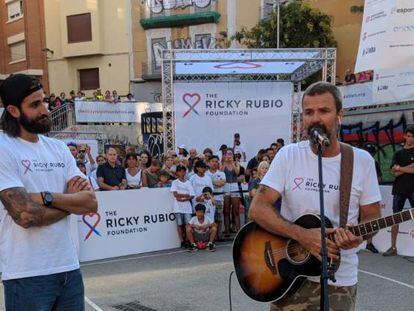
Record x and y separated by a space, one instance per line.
79 28
17 51
15 10
89 79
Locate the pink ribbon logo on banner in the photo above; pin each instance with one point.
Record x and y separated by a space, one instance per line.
92 227
238 65
191 100
298 181
26 164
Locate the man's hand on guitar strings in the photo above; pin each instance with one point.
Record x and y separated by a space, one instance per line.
344 238
311 240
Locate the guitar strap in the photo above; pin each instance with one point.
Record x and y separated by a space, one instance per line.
347 167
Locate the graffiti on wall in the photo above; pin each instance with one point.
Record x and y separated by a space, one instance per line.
382 137
202 41
158 6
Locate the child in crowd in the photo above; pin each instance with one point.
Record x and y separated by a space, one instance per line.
164 178
210 204
201 229
183 193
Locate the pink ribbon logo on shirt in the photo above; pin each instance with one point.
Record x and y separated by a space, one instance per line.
93 217
298 181
191 100
26 164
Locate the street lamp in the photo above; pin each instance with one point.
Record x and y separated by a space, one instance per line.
276 6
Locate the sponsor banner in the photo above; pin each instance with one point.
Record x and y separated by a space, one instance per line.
356 95
405 240
96 112
393 86
387 30
208 114
128 222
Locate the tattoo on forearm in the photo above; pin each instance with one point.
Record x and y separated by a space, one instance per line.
23 210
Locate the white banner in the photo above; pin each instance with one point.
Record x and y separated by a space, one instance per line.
96 112
128 222
356 95
405 240
393 86
208 114
387 35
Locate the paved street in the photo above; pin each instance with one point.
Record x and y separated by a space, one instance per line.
180 281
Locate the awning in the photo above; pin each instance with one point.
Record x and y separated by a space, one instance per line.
180 20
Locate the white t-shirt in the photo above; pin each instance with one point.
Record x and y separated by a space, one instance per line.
133 180
210 209
294 174
239 149
182 188
218 175
199 183
46 165
207 221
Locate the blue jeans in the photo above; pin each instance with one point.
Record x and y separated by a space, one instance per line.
61 292
399 201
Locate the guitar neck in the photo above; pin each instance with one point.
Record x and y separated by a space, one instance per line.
381 223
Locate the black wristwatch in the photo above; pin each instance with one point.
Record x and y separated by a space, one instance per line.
47 198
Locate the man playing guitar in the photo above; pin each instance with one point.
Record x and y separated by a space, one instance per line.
293 176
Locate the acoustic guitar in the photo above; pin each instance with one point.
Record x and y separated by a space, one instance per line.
269 267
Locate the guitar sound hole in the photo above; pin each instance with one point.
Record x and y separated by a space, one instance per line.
295 253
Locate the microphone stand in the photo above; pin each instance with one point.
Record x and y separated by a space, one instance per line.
327 273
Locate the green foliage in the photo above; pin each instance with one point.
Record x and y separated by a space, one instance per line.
300 27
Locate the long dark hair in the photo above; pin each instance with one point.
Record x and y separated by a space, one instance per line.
9 124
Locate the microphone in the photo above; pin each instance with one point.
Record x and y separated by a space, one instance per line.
318 136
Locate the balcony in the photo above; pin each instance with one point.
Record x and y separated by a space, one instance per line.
180 20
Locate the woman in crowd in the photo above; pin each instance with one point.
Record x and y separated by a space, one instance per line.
208 153
108 96
150 177
261 172
133 171
145 159
170 167
231 169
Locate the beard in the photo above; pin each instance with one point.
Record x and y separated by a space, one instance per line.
320 126
39 125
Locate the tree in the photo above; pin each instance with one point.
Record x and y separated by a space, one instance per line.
300 27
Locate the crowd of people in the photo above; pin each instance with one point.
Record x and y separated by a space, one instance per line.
222 183
54 102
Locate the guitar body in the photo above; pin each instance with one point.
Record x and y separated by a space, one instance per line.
269 267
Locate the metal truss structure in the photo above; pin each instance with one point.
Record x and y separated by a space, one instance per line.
304 61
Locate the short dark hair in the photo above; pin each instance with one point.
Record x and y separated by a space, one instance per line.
214 157
273 144
410 130
269 149
180 168
319 88
200 207
281 141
